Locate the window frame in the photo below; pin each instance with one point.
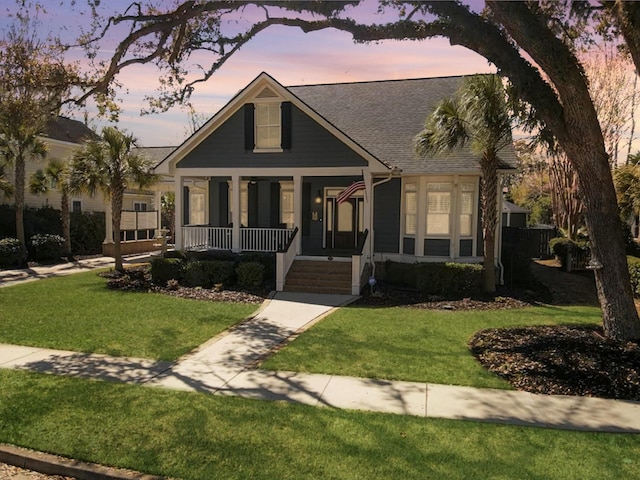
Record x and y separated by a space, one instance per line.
439 188
276 145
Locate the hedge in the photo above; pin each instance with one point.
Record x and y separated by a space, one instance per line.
435 278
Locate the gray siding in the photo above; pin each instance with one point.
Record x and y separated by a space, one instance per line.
466 248
312 146
386 222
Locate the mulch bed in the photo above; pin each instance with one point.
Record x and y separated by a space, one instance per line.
561 360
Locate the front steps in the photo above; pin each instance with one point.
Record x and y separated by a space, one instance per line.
317 276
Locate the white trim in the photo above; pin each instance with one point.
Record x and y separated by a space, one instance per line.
272 172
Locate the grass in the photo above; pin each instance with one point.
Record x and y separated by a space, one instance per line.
196 436
79 313
411 344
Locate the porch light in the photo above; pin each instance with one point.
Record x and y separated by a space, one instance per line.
318 198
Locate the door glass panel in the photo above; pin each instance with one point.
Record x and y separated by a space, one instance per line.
345 217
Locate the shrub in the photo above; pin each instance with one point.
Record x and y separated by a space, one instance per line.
87 232
435 278
46 247
207 273
562 247
449 278
250 274
12 254
165 269
634 273
268 260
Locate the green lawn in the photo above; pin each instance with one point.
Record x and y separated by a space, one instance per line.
79 313
199 436
410 344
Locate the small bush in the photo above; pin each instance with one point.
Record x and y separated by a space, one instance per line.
449 278
207 273
46 247
165 269
250 275
12 254
562 247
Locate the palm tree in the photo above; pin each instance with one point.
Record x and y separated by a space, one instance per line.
56 173
108 165
476 116
626 179
19 145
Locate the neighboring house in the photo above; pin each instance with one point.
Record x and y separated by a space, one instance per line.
278 158
514 215
62 136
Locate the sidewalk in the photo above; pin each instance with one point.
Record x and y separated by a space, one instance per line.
225 366
13 277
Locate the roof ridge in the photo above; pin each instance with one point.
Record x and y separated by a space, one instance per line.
387 80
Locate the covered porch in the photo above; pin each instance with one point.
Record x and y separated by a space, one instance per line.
295 216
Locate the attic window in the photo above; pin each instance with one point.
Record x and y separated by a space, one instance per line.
267 93
268 126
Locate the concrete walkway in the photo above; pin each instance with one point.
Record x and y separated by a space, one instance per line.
226 366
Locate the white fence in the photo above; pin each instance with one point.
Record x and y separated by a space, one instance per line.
132 220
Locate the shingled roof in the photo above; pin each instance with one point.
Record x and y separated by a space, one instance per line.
68 130
384 117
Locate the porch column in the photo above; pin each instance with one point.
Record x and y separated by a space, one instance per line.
178 202
158 207
236 207
108 222
297 210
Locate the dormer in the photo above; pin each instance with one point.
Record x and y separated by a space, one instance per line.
267 123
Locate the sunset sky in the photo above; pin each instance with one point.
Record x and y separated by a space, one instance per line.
289 55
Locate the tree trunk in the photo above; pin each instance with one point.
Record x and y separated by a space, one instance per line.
619 314
116 215
19 200
489 208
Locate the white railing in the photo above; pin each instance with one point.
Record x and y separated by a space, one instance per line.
284 260
263 239
358 264
198 238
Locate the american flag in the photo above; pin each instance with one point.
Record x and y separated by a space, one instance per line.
350 190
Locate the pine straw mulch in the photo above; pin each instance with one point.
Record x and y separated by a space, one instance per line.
558 360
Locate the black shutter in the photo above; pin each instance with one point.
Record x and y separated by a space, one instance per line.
185 206
285 138
249 129
274 205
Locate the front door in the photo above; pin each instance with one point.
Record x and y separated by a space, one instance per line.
344 222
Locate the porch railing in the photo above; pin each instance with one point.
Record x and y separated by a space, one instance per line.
264 239
284 259
215 238
221 238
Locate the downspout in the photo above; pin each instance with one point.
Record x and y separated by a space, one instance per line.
394 172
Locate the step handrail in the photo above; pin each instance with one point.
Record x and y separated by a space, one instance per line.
284 259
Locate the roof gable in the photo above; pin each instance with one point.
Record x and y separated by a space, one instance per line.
67 130
262 87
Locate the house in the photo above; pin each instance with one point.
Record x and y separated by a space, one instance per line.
328 173
62 136
514 215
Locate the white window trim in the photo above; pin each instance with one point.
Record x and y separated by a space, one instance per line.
146 206
287 187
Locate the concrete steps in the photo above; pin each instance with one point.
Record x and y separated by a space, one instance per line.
316 276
